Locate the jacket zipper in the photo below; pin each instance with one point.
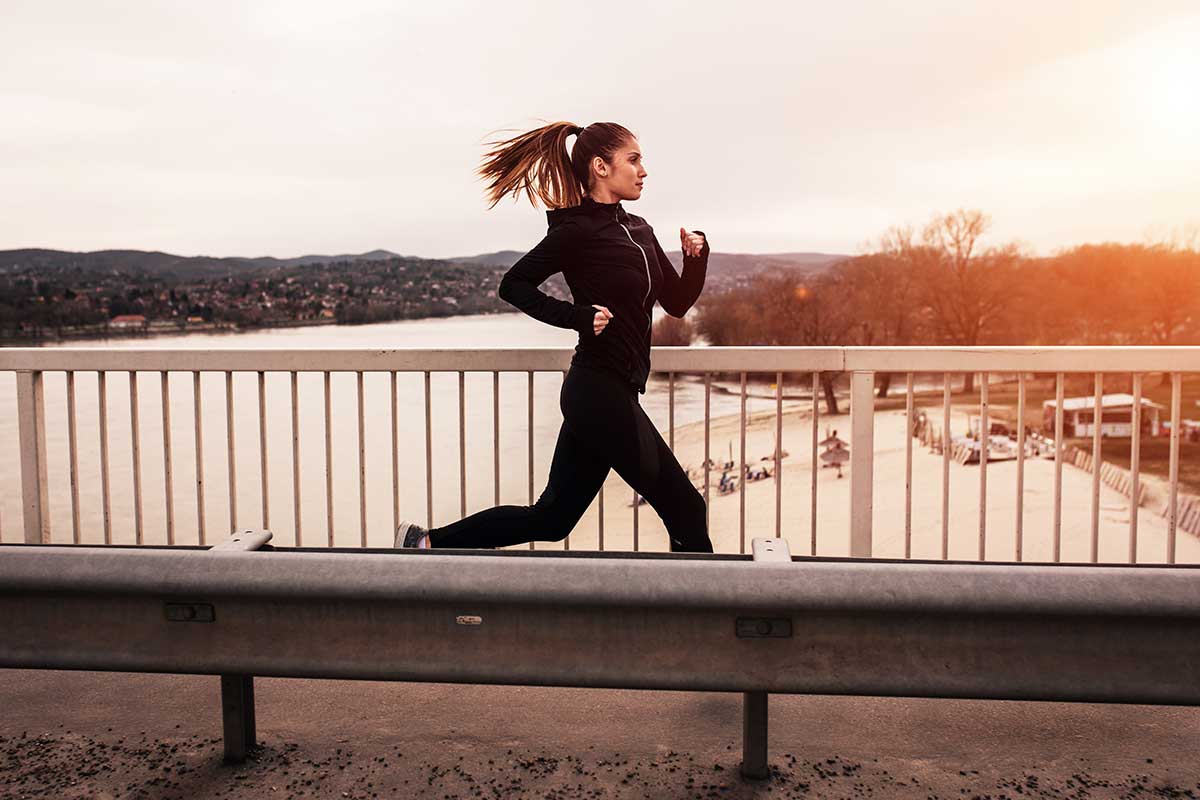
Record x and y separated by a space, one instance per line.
645 262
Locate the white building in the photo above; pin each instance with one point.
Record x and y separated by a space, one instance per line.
1116 416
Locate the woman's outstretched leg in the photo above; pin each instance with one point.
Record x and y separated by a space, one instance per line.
576 474
656 474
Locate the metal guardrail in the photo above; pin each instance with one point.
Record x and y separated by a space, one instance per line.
703 622
801 365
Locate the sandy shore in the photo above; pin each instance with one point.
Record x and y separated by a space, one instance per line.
833 500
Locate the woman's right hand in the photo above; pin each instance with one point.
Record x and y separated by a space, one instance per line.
600 319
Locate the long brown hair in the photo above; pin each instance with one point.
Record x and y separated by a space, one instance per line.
538 162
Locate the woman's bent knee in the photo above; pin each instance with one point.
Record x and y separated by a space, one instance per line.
554 523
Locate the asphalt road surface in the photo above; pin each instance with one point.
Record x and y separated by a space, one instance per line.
115 735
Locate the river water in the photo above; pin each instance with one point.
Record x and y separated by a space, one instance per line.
495 330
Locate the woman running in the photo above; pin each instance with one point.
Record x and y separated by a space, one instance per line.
616 270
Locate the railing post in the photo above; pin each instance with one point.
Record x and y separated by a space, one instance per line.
862 455
31 426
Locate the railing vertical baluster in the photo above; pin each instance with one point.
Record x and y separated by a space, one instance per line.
671 409
985 427
198 428
296 458
328 460
908 449
230 443
1173 504
816 465
778 458
600 514
1097 454
31 431
707 456
1058 463
636 497
946 465
636 508
168 482
862 461
567 541
462 443
428 456
362 463
105 488
73 447
496 437
136 437
1135 463
1020 464
262 449
530 395
742 473
395 415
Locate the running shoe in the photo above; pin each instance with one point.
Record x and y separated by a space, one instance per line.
408 535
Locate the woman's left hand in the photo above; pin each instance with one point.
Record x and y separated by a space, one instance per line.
692 243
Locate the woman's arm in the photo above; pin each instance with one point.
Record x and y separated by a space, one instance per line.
552 254
680 293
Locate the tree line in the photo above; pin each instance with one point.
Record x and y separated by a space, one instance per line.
941 286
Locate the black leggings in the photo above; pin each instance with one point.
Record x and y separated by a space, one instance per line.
603 428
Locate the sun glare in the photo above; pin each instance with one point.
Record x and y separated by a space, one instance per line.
1165 79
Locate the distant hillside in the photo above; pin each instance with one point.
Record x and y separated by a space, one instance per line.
271 261
727 265
735 265
164 265
501 258
722 267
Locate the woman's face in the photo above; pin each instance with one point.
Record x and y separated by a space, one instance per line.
624 174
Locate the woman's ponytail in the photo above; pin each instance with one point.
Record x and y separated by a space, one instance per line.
538 163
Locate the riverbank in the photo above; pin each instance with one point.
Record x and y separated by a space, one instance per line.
151 330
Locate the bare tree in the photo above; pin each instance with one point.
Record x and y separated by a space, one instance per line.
882 291
967 290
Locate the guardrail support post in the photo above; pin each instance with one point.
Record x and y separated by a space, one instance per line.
754 734
237 715
754 703
237 691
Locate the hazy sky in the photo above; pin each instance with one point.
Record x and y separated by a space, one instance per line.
284 127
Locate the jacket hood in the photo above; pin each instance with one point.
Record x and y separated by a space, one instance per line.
587 208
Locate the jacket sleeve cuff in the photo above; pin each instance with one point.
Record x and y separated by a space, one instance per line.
585 316
703 251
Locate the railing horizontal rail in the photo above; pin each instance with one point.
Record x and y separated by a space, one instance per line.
665 359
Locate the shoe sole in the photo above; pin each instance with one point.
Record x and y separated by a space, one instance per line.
402 534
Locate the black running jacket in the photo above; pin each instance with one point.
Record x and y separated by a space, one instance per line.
609 258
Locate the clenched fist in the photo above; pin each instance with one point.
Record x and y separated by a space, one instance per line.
601 319
692 243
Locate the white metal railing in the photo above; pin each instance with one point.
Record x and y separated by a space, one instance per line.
802 365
